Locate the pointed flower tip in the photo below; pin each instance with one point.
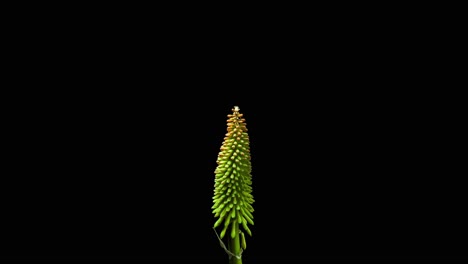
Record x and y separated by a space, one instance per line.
236 108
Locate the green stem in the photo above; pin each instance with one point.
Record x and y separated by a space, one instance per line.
234 245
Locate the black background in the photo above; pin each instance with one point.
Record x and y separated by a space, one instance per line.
114 129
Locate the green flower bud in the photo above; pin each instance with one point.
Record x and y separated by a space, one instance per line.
233 192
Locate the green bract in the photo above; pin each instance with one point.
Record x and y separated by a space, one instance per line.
233 192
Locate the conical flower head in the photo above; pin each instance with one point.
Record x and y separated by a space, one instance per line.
233 192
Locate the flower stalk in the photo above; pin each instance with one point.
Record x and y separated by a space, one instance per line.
232 200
